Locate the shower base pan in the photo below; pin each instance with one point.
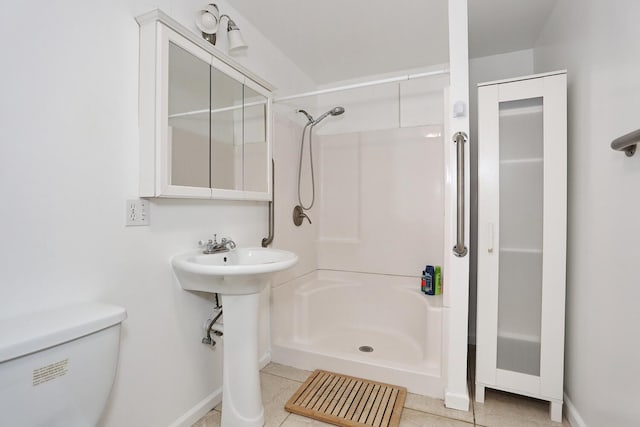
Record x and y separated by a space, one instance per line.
363 325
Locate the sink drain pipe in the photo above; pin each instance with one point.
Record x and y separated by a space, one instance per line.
210 327
218 331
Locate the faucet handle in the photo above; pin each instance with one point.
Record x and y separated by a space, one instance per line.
209 241
227 241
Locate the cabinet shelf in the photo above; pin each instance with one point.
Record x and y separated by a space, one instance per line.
518 355
529 106
217 110
521 250
521 161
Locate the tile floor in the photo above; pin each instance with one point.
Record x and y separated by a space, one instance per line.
500 409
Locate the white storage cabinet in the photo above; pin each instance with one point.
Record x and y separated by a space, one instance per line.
522 205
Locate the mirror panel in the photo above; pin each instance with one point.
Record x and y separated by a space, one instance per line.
256 152
226 132
193 120
188 124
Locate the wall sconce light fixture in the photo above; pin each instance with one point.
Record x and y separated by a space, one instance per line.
208 21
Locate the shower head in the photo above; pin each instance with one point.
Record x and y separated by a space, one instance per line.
337 111
306 114
334 112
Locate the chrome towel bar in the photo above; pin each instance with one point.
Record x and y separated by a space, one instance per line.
627 143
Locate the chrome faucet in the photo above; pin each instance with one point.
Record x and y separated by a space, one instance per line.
214 247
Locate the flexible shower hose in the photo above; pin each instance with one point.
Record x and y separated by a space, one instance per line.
313 184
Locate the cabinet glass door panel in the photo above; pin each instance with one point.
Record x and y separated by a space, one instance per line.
520 235
188 123
226 132
256 153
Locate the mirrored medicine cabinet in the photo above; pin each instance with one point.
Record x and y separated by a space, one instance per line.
205 121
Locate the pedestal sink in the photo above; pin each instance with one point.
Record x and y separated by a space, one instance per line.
238 276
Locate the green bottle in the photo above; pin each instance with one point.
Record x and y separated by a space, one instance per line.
437 280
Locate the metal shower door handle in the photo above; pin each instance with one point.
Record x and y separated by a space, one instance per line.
459 138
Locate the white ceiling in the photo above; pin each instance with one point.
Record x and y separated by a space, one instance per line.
334 40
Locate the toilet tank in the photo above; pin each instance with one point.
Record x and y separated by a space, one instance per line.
57 367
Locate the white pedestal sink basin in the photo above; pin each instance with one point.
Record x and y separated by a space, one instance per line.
239 271
238 276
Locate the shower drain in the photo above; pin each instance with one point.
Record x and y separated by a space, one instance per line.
365 348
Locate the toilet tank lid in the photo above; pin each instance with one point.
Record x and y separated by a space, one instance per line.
31 332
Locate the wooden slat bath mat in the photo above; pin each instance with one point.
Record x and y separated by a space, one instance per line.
348 401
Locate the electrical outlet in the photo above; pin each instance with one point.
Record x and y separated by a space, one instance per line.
137 212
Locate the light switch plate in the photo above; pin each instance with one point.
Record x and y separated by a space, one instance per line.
137 212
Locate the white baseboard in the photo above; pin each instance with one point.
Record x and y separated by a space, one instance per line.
265 359
571 413
456 401
199 410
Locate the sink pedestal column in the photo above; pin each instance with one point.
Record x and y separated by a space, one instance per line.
241 398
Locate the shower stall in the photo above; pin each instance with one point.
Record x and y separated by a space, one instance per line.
374 185
381 179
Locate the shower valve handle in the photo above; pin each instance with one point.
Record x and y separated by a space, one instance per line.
299 216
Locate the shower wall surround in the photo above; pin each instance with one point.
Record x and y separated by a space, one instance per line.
381 178
381 200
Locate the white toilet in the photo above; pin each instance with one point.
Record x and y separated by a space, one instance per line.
57 367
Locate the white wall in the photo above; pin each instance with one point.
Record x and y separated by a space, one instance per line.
485 69
68 162
597 42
